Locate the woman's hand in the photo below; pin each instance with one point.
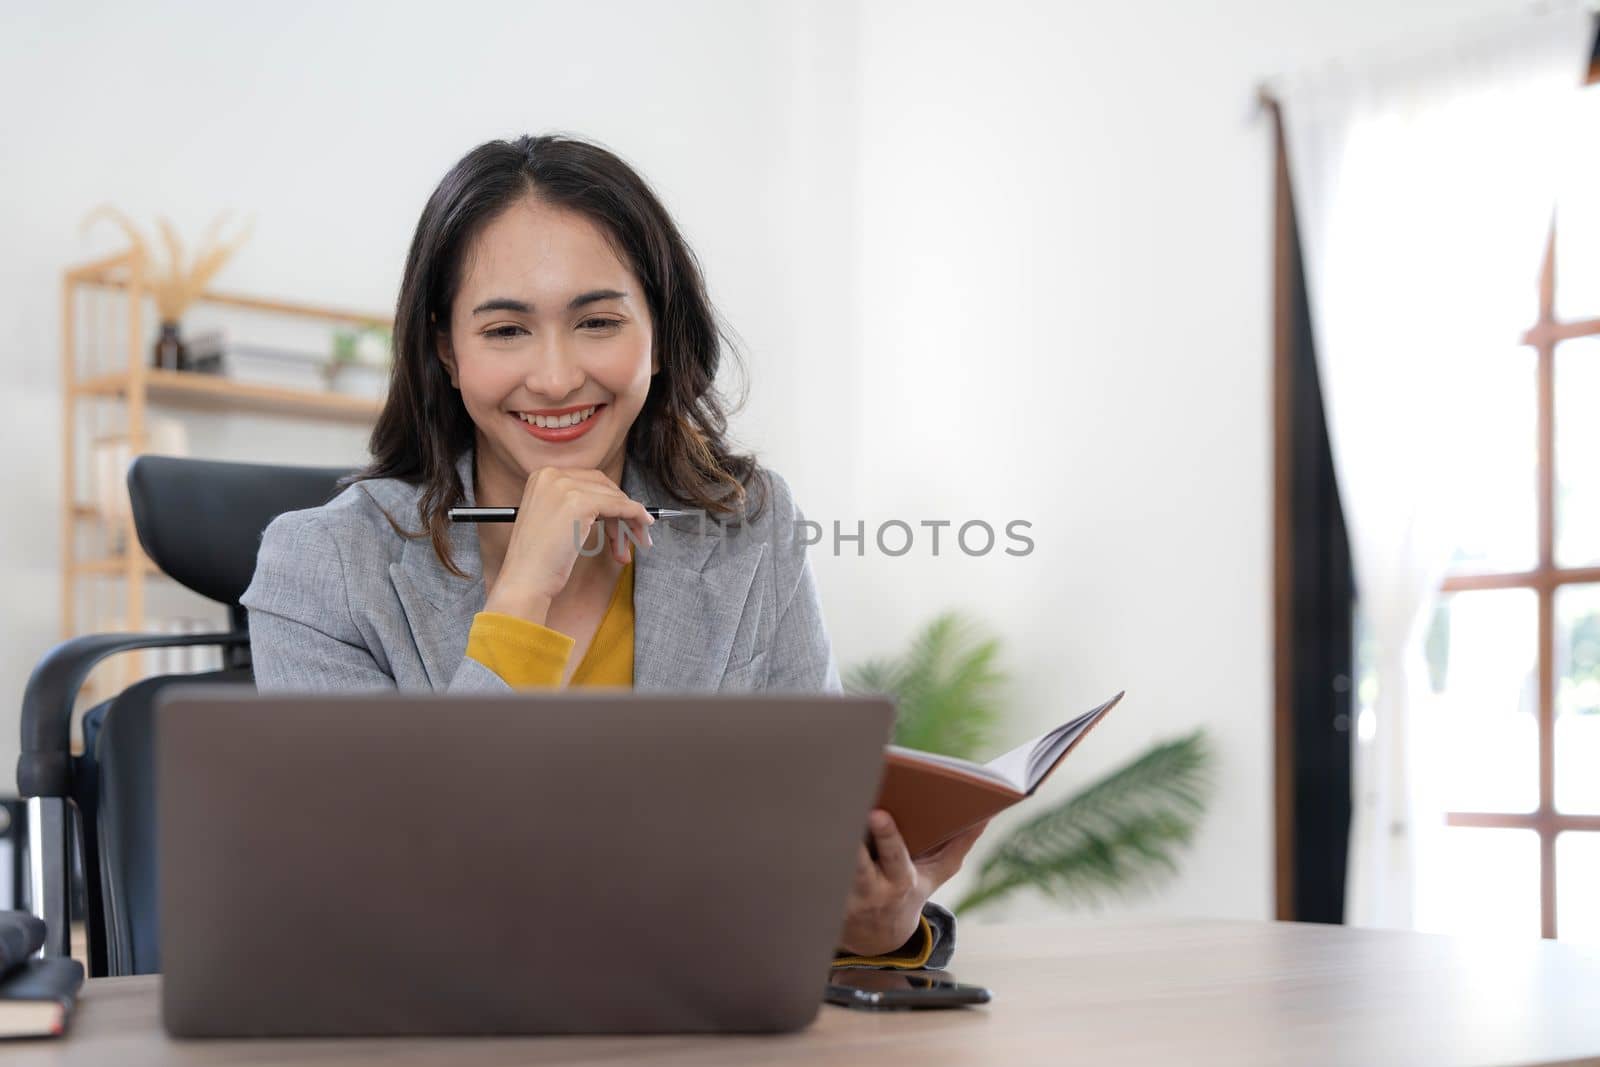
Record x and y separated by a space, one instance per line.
542 551
886 899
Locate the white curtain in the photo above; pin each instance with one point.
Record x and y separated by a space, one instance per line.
1423 186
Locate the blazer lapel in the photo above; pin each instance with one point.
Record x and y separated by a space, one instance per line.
690 591
439 606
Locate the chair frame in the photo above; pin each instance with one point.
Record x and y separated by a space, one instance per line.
64 800
45 773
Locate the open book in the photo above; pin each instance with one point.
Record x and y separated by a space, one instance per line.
933 798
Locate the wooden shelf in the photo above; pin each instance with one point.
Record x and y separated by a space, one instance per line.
106 333
114 565
209 392
110 273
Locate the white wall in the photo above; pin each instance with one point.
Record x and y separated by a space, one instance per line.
1048 220
330 124
1066 240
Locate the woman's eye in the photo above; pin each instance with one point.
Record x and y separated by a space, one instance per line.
510 329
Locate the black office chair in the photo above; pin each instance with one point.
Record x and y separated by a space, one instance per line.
201 522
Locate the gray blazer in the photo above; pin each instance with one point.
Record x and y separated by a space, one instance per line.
341 602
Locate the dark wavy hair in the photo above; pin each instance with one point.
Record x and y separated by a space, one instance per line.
680 434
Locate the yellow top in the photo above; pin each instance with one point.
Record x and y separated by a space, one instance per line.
529 655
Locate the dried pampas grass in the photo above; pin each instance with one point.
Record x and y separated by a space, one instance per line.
177 284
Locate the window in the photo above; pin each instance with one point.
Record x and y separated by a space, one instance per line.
1514 646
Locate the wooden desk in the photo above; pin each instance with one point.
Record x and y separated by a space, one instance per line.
1171 993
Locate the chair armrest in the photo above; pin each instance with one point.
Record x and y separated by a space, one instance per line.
44 769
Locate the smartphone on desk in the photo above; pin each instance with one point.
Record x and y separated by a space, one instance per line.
872 988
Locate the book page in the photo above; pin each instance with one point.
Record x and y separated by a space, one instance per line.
1025 765
976 770
1054 744
1012 767
1021 768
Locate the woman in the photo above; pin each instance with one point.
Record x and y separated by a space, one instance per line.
555 350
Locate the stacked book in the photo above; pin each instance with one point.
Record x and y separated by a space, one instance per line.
358 372
36 995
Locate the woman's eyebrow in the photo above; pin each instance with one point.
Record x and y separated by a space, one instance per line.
522 307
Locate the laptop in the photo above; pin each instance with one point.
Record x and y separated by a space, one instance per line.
588 862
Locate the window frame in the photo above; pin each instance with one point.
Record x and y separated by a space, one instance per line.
1545 579
1301 712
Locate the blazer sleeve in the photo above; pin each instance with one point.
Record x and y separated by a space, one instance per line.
303 635
802 656
803 659
942 926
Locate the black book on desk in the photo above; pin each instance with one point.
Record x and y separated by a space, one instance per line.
36 995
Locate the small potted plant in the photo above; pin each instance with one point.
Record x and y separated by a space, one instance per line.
360 361
179 281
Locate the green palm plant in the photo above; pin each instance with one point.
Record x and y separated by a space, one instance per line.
1118 835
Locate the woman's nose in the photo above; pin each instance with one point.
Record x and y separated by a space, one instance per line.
554 371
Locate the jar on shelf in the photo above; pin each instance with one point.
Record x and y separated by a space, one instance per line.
169 352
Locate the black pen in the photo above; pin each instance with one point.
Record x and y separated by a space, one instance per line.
510 514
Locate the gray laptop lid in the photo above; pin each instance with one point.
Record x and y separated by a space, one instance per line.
582 862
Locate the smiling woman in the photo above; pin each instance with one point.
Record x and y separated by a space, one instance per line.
550 259
555 351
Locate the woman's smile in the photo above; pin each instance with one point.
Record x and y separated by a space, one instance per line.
566 425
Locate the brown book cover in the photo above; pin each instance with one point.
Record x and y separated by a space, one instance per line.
934 798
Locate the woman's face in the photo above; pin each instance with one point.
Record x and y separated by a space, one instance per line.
547 322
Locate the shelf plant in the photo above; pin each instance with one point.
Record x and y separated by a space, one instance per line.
179 280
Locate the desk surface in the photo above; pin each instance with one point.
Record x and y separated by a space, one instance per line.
1184 992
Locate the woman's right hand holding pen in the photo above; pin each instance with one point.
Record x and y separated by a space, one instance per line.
559 508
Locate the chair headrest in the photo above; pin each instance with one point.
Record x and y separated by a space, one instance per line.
201 520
